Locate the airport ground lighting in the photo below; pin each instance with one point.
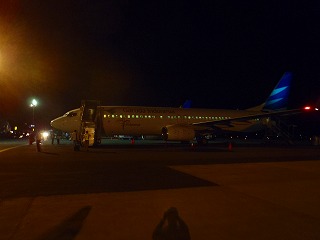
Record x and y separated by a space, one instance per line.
33 104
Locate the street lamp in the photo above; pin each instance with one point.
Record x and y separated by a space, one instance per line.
33 104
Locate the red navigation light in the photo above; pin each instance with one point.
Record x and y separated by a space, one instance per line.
307 108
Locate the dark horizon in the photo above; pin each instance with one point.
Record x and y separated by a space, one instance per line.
219 55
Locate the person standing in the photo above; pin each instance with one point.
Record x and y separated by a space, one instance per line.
86 140
31 138
38 141
74 138
52 137
59 135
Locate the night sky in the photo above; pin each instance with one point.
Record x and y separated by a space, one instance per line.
219 54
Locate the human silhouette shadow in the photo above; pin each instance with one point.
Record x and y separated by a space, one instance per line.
69 228
171 227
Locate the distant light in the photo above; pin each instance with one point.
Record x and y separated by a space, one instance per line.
34 103
307 108
317 109
45 134
15 128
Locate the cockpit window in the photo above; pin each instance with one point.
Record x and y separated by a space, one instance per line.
70 114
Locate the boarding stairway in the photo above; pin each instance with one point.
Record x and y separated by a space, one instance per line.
280 128
91 120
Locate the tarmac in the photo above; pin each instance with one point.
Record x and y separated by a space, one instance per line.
121 191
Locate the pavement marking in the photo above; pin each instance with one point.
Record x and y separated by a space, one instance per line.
6 149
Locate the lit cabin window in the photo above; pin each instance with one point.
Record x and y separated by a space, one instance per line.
137 116
189 117
161 117
128 116
184 117
179 116
104 115
120 116
153 117
112 116
132 116
196 117
141 116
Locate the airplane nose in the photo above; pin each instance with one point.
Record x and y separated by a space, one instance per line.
55 123
52 123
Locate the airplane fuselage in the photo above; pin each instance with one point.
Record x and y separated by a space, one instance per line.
136 120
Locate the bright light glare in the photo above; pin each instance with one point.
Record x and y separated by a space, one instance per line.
34 103
307 108
45 135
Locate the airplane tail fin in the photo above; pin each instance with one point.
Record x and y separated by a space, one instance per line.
186 104
278 98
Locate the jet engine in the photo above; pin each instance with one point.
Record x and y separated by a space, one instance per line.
177 133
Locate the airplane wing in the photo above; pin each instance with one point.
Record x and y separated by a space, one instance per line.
228 122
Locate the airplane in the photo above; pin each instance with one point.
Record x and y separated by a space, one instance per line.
179 124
